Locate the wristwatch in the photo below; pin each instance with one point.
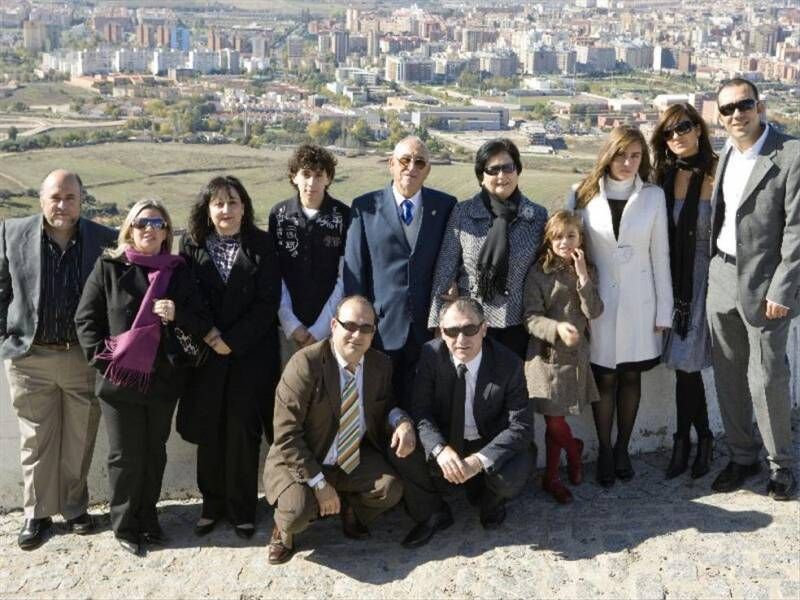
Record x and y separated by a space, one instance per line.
437 450
320 485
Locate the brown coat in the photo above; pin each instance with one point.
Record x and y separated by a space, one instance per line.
559 377
307 410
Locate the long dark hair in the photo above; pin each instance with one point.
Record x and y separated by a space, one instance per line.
200 224
664 158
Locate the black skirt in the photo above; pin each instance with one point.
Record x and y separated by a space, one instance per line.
629 367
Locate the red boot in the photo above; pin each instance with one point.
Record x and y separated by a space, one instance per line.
551 482
575 462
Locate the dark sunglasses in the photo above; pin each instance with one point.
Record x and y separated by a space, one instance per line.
467 330
742 106
154 222
681 128
352 327
406 161
497 169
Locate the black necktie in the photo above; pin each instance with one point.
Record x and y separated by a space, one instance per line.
459 400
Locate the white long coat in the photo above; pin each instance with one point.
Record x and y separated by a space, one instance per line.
634 278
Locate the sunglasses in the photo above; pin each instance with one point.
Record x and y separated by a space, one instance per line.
407 161
154 222
742 106
681 128
352 326
467 330
497 169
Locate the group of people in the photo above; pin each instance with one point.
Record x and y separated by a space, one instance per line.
396 349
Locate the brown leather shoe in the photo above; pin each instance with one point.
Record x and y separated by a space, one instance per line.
351 526
280 547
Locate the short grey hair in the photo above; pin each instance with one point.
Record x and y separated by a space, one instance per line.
463 304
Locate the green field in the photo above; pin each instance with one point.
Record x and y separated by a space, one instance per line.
124 173
45 93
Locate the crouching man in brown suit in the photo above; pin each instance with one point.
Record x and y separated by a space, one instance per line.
334 412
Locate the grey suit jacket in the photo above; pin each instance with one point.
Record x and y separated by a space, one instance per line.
767 228
21 276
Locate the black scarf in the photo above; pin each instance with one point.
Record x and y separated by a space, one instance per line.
493 256
682 236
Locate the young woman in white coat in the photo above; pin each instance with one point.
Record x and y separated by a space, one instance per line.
625 221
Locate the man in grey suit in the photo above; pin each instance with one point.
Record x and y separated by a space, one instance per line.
754 287
44 262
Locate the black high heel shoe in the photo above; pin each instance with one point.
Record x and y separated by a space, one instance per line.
605 468
705 454
679 462
622 464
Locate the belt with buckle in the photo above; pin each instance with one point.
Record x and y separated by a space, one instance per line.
59 347
731 260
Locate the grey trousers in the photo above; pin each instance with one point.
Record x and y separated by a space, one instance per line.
53 396
751 371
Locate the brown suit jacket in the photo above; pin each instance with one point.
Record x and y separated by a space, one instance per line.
307 410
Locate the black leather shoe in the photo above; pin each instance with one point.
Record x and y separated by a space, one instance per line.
681 445
201 530
134 548
34 532
623 468
82 524
155 537
351 526
492 519
705 454
244 532
605 468
422 533
782 485
733 476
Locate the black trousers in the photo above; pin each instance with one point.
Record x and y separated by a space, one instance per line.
137 455
424 486
513 337
227 470
404 368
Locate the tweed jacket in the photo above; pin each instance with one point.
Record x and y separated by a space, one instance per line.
307 411
464 237
21 274
559 377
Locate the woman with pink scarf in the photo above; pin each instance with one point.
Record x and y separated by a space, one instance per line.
134 291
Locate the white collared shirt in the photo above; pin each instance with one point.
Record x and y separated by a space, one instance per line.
470 427
737 171
416 200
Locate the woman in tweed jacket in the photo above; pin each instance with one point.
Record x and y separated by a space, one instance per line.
490 243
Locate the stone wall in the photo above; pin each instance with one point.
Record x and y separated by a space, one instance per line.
655 425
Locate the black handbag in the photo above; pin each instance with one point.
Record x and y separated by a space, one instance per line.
183 349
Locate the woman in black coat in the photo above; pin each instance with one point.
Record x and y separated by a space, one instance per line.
132 290
230 398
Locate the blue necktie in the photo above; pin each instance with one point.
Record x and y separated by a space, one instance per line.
407 208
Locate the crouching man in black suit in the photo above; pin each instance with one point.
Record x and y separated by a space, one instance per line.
475 425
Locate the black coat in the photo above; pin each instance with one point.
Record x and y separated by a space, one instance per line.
111 298
245 310
501 408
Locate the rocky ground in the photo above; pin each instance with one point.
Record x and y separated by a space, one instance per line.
648 538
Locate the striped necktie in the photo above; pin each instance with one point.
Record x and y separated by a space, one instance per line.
407 213
349 436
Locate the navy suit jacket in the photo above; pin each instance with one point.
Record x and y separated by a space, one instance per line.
380 264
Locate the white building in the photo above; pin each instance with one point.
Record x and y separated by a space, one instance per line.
131 60
203 61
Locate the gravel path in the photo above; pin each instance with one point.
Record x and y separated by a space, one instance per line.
648 538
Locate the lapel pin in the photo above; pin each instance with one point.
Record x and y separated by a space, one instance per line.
433 212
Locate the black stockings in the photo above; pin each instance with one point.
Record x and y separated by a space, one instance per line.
619 392
690 397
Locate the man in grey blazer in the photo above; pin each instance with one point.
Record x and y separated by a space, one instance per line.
44 262
754 287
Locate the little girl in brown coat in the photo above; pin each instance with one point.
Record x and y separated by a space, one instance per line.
560 299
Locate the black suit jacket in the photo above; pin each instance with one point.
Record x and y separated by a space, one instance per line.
501 408
21 276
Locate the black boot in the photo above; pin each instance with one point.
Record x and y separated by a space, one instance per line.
679 462
605 467
705 454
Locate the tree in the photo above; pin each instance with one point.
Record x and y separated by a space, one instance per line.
361 132
541 111
469 80
19 107
12 133
324 132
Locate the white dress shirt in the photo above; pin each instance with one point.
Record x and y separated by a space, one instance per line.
470 427
322 326
411 230
737 172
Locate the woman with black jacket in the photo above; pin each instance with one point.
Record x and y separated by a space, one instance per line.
230 398
133 291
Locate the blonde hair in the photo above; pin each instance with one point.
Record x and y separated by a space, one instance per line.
618 141
557 223
125 237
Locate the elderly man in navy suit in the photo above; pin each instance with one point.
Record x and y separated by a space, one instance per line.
391 250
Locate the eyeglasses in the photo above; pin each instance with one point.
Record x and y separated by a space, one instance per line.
154 222
497 169
407 161
742 106
681 128
352 326
467 330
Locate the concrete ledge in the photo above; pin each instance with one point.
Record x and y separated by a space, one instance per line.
655 425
